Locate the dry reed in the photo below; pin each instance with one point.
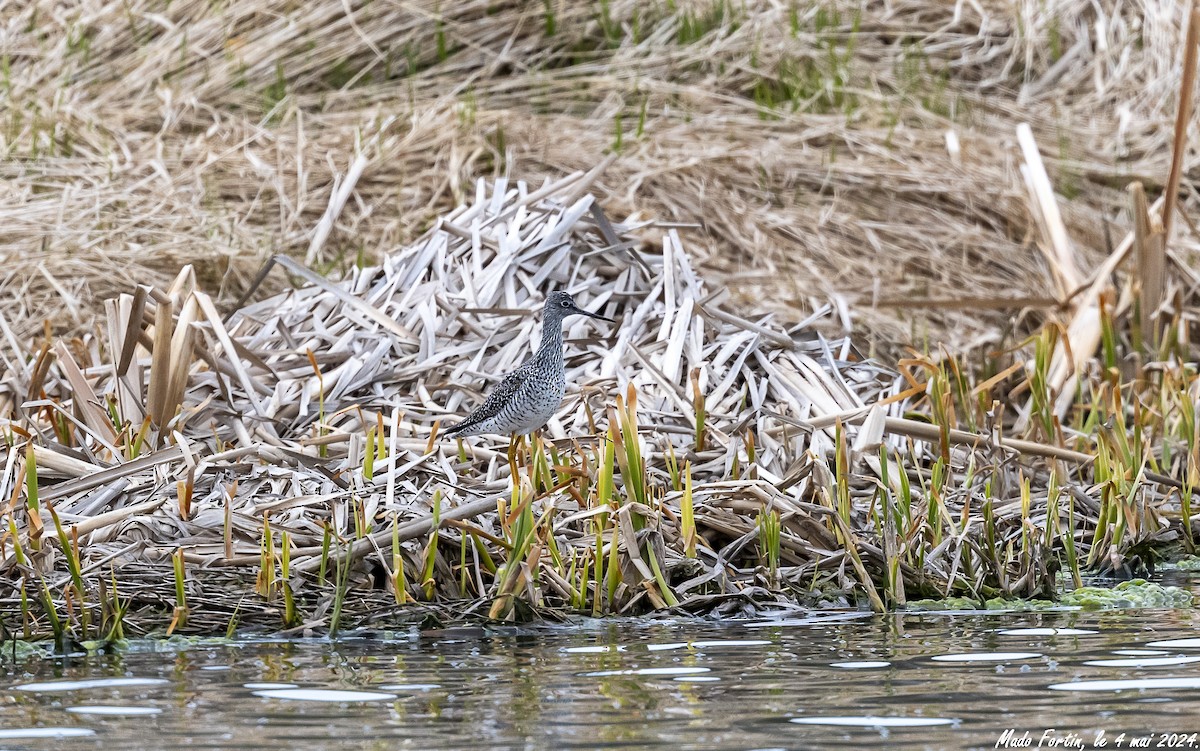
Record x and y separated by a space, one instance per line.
835 148
164 442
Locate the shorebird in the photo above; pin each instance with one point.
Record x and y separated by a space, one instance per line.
530 395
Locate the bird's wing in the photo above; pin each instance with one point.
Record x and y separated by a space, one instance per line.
500 396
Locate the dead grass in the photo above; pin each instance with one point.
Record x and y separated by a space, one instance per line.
808 139
942 176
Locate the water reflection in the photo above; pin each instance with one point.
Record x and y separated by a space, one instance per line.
1142 662
1046 631
1192 643
44 732
987 657
114 711
840 680
1138 684
55 686
876 722
323 694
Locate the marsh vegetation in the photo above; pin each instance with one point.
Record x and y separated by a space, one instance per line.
906 298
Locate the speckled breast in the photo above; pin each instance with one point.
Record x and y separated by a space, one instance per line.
540 400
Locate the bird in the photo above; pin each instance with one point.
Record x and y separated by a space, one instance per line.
530 395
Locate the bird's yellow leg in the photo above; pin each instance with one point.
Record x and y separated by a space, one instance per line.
514 485
537 458
524 451
512 459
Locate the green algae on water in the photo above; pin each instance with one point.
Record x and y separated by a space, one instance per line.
1135 593
966 603
18 650
1187 563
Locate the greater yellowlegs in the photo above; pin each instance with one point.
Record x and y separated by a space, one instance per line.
531 394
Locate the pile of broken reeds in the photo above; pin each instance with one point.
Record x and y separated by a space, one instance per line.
296 438
281 466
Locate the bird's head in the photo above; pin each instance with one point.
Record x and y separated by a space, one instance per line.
561 304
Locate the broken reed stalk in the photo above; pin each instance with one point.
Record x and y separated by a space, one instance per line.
1150 242
1183 116
1056 245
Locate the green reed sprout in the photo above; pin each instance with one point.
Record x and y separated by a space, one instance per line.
769 533
428 582
179 616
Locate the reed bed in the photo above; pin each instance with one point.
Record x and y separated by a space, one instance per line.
258 270
297 437
280 466
831 148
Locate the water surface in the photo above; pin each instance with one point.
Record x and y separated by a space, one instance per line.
832 680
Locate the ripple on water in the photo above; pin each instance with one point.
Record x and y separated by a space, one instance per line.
875 722
111 711
1139 652
707 644
1142 662
89 684
7 733
1133 684
324 694
410 686
815 619
1046 631
860 665
987 657
1176 643
710 643
649 671
594 649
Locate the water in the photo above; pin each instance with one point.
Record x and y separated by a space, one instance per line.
835 680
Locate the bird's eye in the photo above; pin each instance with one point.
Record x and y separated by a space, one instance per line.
566 303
